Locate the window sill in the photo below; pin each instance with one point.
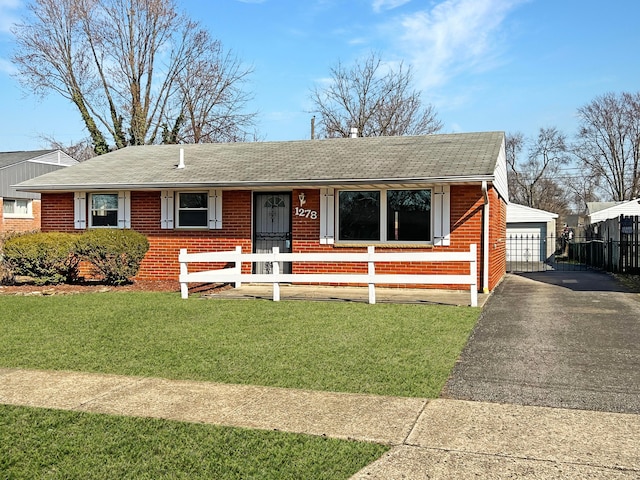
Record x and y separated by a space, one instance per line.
19 217
382 245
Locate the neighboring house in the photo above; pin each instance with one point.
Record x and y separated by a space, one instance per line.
601 211
20 211
433 193
528 232
603 219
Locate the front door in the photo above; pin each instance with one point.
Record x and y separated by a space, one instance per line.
272 228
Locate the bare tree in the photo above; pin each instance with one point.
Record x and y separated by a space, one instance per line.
80 151
608 143
212 101
583 189
375 100
514 144
534 181
121 62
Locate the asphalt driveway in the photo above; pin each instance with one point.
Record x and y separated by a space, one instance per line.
555 339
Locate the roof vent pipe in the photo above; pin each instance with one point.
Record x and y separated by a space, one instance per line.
181 164
354 132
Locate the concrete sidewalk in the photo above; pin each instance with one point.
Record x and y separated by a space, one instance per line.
424 296
435 439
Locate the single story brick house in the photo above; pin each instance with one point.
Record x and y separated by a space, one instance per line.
433 192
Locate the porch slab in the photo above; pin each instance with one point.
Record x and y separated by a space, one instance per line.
324 293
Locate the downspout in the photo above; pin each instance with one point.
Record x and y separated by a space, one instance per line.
485 238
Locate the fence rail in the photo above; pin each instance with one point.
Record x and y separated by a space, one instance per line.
235 258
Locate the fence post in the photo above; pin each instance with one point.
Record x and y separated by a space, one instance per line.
473 272
275 271
237 266
184 286
372 271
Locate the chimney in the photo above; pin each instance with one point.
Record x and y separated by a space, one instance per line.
354 132
313 127
181 164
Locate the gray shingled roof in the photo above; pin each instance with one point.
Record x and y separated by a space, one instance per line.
11 158
593 207
430 158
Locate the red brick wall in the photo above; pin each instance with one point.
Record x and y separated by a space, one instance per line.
466 228
21 224
162 259
58 212
497 239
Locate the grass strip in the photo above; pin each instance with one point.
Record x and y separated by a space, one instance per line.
384 349
40 443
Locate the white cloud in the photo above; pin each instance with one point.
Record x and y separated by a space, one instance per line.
454 37
7 16
379 5
7 67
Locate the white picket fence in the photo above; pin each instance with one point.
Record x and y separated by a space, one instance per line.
236 258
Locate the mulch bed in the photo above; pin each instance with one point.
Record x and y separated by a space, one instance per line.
29 289
89 287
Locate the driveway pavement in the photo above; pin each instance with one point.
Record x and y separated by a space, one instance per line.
555 339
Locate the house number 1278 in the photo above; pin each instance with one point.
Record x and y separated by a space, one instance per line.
303 212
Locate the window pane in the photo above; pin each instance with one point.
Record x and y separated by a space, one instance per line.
409 215
104 218
359 215
22 207
104 201
9 206
192 218
193 200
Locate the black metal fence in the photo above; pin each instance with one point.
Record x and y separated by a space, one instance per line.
613 250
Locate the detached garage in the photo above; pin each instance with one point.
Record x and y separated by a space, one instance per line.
527 232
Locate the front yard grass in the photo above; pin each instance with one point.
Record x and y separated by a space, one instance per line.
39 443
384 349
400 350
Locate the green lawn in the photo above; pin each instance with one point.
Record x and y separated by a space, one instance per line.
38 443
404 350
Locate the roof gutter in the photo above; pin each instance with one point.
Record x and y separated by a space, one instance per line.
306 183
485 238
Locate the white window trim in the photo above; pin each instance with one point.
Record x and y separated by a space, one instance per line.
441 207
119 214
177 209
82 210
440 217
215 209
327 216
124 209
28 215
166 209
169 209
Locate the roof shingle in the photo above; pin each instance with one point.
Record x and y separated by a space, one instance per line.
348 160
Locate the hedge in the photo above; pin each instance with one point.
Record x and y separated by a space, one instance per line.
54 257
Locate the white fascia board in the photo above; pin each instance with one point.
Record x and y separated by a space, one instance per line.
522 214
251 184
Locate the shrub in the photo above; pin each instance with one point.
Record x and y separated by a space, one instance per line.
115 255
48 258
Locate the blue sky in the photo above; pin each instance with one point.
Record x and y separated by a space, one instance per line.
512 65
